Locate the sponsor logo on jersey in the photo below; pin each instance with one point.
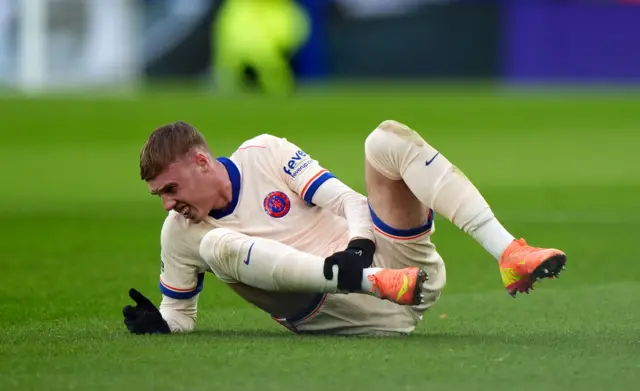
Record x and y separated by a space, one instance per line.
277 204
292 168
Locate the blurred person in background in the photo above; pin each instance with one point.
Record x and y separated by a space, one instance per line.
254 41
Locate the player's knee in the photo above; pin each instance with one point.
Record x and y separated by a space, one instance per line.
384 148
389 136
378 135
391 146
375 145
393 126
400 130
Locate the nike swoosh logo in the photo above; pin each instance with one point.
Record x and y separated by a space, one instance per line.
432 159
246 261
404 289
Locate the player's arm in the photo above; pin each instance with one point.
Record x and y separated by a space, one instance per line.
177 312
181 277
318 186
345 202
180 314
179 306
181 282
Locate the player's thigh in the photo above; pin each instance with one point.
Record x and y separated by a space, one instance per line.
410 246
393 202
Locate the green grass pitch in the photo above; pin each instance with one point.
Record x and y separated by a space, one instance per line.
78 229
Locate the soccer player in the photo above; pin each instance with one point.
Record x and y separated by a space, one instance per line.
292 239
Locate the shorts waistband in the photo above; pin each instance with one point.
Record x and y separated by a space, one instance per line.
402 234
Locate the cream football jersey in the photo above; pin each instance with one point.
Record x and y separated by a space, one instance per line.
273 184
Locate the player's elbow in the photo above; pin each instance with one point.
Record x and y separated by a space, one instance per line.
178 322
180 314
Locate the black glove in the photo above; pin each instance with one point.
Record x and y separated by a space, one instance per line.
351 262
144 318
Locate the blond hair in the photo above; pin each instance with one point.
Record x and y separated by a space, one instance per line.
167 144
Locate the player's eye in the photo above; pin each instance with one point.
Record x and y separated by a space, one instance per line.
171 189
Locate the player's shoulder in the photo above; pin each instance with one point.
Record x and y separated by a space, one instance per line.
173 229
180 247
178 233
262 141
259 150
267 145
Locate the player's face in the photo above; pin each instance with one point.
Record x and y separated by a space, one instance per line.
193 186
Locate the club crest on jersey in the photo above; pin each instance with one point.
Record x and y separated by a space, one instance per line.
277 204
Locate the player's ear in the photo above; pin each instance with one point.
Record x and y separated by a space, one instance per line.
200 159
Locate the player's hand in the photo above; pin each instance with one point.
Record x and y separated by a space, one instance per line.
144 318
357 256
363 249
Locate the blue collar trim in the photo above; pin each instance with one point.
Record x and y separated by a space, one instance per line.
234 176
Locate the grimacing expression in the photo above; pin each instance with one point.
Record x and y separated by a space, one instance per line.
192 186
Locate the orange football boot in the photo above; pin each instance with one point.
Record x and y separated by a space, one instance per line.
522 265
402 286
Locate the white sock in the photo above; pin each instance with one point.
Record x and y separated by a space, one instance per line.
492 236
367 286
397 152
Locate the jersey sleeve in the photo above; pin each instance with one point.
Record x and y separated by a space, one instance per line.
306 176
181 277
301 172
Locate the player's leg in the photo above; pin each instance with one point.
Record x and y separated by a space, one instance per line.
272 266
405 173
402 228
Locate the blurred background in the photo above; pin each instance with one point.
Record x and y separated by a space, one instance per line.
275 46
